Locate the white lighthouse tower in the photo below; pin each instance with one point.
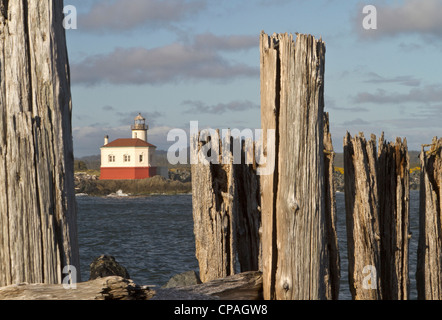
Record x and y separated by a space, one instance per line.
139 128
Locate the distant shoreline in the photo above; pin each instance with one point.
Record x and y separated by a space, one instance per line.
90 185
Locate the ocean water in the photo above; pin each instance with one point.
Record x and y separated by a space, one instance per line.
153 236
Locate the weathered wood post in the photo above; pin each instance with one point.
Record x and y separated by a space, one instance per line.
225 201
38 235
429 264
394 207
294 240
330 216
377 198
362 217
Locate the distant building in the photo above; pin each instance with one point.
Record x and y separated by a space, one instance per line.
128 158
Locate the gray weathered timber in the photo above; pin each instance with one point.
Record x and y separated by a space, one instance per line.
394 195
295 255
240 286
362 217
225 201
108 288
330 216
429 264
38 235
270 87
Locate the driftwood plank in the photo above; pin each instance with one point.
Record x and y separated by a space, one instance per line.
241 286
38 235
108 288
429 268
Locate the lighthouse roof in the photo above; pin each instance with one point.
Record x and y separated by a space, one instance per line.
139 117
128 142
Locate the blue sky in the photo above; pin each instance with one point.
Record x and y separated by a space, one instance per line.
178 61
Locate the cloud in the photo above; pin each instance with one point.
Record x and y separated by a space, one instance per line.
128 118
409 81
123 15
209 41
427 94
89 139
198 107
352 109
108 108
168 64
330 103
356 122
408 17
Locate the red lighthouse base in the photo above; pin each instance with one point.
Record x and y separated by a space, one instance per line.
127 173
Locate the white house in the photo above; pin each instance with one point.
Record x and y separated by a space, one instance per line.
128 158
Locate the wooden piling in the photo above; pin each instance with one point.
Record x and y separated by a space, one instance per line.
362 217
295 254
226 204
377 196
429 264
38 235
394 208
270 87
330 217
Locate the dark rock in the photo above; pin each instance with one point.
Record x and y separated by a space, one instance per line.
415 181
338 181
105 266
182 175
187 278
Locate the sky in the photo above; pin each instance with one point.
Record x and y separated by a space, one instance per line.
178 61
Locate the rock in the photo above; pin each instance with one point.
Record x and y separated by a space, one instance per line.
183 175
117 194
415 181
338 181
105 266
187 278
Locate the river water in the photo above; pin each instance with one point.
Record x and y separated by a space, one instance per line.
153 236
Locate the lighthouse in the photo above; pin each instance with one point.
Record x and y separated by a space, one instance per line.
128 158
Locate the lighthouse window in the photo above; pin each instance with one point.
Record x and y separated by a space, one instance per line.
126 158
111 158
141 158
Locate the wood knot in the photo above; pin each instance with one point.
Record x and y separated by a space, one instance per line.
293 206
286 286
